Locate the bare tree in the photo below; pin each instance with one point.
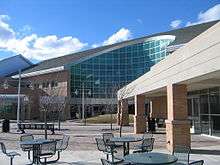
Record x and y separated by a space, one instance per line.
112 103
2 105
123 93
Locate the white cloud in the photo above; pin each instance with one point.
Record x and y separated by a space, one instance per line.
6 32
175 24
95 45
34 47
209 15
121 35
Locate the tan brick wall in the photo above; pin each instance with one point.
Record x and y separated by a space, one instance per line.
159 107
124 112
63 88
177 125
177 102
118 112
61 77
139 117
177 133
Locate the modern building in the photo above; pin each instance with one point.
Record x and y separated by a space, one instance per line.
184 89
12 65
92 77
8 99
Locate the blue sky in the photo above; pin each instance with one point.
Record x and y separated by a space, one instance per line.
42 29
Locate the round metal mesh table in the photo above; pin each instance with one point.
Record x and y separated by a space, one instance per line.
152 158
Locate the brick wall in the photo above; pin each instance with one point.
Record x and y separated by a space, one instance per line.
159 107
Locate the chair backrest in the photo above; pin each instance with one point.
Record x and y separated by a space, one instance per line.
148 144
147 135
199 162
26 137
182 153
65 142
105 162
101 144
3 148
107 137
48 148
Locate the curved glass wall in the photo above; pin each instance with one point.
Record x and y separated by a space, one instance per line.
103 74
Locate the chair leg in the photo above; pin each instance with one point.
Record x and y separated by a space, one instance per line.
107 156
11 160
29 157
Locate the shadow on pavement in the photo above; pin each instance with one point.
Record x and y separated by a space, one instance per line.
205 152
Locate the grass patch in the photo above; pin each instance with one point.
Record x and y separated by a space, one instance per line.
106 119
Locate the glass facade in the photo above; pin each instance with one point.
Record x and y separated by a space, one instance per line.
204 111
101 74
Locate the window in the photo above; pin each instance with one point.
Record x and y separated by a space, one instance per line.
54 84
44 85
36 85
47 84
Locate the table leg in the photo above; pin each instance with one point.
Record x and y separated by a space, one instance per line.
124 147
128 148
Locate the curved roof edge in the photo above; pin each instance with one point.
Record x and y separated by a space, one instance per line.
146 39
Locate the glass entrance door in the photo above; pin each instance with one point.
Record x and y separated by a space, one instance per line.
194 114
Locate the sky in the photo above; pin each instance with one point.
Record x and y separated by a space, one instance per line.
44 29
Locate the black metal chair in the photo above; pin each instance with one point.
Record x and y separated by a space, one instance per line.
199 162
26 148
147 135
62 145
11 155
146 146
106 162
182 153
103 147
47 150
107 138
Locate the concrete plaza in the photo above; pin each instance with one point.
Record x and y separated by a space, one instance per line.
82 148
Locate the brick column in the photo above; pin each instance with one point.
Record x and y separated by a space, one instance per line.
139 117
124 116
177 125
159 107
118 112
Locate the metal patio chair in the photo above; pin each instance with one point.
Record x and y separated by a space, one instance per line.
11 155
147 135
27 148
47 150
147 145
107 138
103 147
182 153
199 162
62 145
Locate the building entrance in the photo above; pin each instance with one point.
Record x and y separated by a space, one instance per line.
204 112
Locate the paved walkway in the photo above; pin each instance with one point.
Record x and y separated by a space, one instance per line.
93 157
82 149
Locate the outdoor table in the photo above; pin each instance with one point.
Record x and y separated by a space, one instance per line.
36 145
126 140
152 158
